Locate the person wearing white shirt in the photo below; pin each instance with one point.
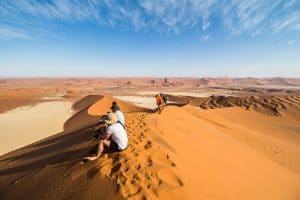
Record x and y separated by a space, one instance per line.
115 137
116 109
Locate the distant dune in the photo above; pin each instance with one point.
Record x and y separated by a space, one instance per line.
150 82
183 153
272 105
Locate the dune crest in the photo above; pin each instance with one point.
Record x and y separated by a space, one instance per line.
102 106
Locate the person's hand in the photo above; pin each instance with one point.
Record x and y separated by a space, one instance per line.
96 128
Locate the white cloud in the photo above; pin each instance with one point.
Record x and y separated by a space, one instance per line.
289 21
237 17
8 33
206 37
248 17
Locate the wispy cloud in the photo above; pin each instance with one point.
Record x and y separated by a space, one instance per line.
288 22
8 33
237 17
206 37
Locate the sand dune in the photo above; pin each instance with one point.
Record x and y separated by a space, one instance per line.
103 106
212 165
183 153
272 105
28 124
142 101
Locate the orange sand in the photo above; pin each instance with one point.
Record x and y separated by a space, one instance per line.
213 165
182 153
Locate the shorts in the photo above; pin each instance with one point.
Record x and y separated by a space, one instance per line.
114 146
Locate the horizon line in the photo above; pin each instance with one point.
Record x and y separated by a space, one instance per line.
140 77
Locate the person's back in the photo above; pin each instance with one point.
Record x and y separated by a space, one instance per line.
159 100
116 109
120 116
118 135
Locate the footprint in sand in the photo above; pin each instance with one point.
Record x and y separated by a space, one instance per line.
273 148
138 167
148 145
150 162
170 178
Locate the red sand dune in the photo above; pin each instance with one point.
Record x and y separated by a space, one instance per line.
272 105
182 153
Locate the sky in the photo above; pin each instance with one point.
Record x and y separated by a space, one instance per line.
132 38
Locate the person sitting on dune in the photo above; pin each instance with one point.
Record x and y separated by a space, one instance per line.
114 138
116 109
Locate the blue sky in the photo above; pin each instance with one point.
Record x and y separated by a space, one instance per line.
195 38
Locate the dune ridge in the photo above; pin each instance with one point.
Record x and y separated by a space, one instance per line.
182 153
272 105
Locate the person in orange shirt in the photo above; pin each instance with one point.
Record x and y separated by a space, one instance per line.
159 101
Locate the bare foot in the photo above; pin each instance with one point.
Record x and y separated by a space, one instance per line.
91 158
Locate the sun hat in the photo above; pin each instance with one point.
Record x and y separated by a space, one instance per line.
111 118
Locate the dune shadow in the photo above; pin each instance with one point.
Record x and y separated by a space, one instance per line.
180 100
54 144
177 104
73 143
86 101
81 119
62 157
58 137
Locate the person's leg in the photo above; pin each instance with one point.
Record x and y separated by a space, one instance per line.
161 107
100 149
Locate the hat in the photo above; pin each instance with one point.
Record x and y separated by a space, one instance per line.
114 106
111 118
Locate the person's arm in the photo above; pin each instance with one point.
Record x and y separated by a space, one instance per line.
106 135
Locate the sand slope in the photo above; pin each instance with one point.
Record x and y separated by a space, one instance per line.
212 165
25 125
51 169
182 153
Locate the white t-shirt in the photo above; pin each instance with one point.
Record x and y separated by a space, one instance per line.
120 116
118 135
